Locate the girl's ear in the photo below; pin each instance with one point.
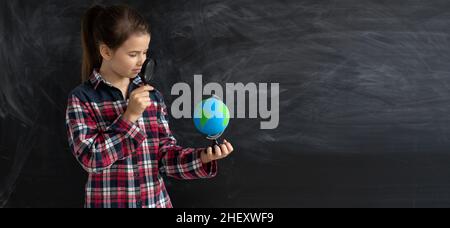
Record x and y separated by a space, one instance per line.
105 52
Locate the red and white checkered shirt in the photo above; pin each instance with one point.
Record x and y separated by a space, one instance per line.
125 160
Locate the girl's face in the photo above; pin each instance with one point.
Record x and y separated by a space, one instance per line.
128 59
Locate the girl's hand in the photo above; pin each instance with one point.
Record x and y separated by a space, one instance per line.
220 152
139 101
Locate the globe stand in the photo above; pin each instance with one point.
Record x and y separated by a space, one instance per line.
214 139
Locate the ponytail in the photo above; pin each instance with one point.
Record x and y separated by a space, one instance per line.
91 55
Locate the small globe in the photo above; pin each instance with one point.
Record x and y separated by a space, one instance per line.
211 116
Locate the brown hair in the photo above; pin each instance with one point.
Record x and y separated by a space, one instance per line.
111 25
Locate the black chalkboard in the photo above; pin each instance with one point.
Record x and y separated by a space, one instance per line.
364 99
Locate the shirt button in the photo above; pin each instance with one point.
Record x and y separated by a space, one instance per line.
139 204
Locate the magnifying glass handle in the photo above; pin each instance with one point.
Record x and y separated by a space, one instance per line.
146 82
143 79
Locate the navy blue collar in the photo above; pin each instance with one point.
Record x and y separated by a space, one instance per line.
96 79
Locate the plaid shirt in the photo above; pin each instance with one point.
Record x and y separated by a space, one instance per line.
125 160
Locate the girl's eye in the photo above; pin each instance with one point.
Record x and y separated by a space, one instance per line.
132 55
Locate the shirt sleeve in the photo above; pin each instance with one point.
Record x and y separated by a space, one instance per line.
178 162
94 149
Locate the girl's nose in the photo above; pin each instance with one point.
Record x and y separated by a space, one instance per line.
142 60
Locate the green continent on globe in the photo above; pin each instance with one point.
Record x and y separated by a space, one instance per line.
204 119
226 115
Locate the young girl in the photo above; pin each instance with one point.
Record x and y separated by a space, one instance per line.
118 127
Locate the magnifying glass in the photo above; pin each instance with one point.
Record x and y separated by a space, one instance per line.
148 71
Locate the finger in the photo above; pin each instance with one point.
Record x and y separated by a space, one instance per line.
229 146
141 89
217 151
148 87
144 88
143 94
136 95
144 100
143 97
147 104
224 149
209 154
